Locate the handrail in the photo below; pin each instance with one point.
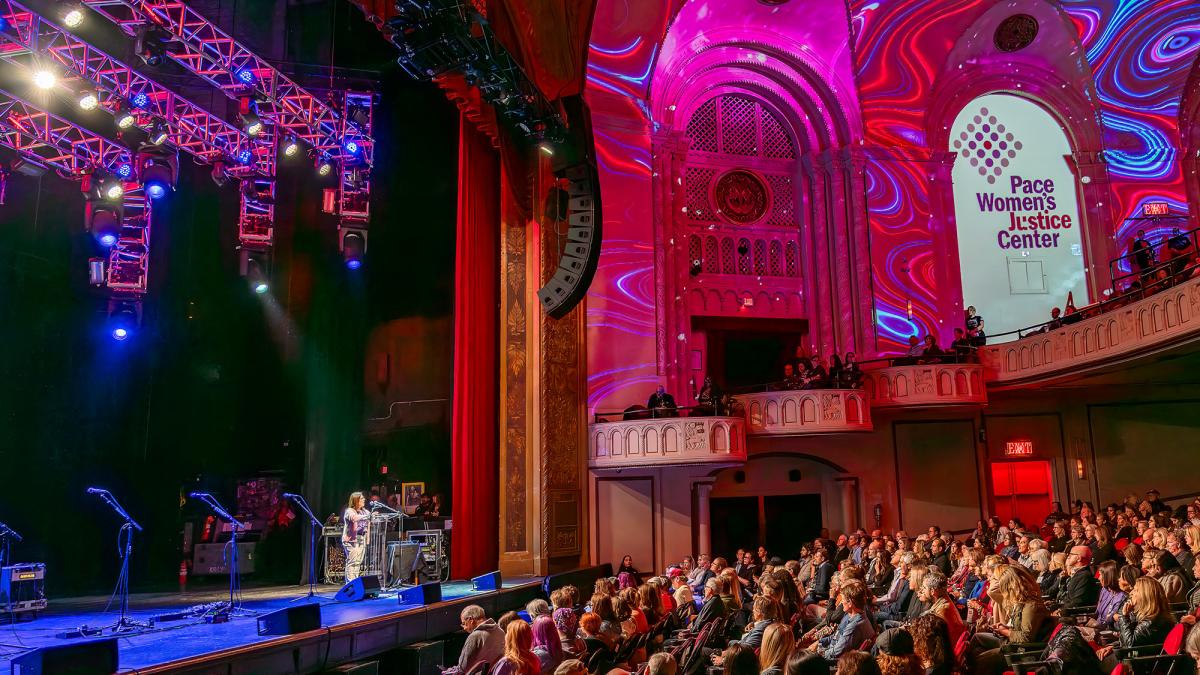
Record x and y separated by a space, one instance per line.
1114 264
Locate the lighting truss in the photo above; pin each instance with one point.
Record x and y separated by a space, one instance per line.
201 47
354 194
51 141
194 130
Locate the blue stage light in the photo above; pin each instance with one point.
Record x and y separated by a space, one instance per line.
261 287
353 264
352 147
120 334
245 156
140 100
123 321
246 76
108 239
156 190
125 170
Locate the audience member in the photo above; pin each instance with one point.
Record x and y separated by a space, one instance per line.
974 326
854 628
518 658
802 662
739 660
1145 619
661 663
933 591
895 655
857 663
660 403
777 644
485 640
536 608
573 667
931 643
1079 587
547 645
568 633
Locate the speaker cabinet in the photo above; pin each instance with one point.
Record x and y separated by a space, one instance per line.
425 594
581 251
421 658
291 620
487 582
366 586
97 657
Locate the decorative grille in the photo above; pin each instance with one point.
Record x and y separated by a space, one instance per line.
696 181
702 128
712 261
783 201
739 126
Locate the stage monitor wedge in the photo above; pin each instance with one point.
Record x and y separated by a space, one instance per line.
95 657
291 620
487 582
366 586
425 594
580 252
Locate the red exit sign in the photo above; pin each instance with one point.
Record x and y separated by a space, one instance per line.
1150 209
1018 448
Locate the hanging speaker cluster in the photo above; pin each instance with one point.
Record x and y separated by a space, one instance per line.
580 254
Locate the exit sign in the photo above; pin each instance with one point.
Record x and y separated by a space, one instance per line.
1150 209
1018 448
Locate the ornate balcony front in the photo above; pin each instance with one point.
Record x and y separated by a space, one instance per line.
1158 322
666 440
937 384
809 411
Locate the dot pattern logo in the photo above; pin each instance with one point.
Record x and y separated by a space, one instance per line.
988 145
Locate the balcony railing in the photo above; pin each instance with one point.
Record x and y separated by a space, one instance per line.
1155 322
666 440
808 411
935 384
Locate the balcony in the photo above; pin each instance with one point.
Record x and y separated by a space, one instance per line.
798 413
937 384
666 440
1153 324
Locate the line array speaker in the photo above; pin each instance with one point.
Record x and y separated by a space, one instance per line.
577 263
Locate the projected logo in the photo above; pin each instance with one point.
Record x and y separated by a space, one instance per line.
988 145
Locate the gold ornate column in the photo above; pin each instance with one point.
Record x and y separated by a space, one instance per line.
543 393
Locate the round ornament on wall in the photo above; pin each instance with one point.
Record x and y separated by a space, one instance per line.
1016 32
741 196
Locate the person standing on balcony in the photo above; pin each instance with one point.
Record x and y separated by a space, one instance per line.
974 326
1142 252
660 403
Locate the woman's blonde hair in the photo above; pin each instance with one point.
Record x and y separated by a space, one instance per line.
776 646
1150 600
518 648
353 502
1013 585
910 664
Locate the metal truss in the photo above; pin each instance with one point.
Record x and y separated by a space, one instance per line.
208 52
73 151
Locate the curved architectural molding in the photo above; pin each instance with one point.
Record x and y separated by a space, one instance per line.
671 440
1154 323
925 385
817 411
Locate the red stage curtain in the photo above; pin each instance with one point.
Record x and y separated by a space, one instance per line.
475 538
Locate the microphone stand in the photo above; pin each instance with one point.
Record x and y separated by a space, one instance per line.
124 623
313 524
7 534
235 577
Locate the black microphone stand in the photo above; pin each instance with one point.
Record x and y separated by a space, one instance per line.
124 623
313 524
7 534
235 527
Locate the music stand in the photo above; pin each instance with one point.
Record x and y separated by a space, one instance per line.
124 623
235 575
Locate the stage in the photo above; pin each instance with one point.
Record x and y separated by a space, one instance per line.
349 632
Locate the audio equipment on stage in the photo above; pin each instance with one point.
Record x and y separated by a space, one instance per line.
210 558
487 582
22 588
291 620
435 565
366 586
425 594
404 557
422 658
333 559
97 657
581 250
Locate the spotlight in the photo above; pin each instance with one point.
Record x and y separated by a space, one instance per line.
218 175
157 167
158 132
352 147
44 79
123 320
148 45
125 118
246 156
292 148
248 111
104 222
125 170
254 265
246 76
324 168
140 100
88 100
112 190
354 248
547 148
73 18
254 126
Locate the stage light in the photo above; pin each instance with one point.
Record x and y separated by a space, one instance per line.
149 45
159 132
158 168
352 147
73 18
104 222
254 265
125 170
44 79
88 100
246 156
156 190
291 149
125 118
254 126
324 168
140 100
122 320
246 76
354 248
547 148
218 174
248 111
113 190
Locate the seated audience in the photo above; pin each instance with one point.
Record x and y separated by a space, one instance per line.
662 663
1017 599
661 404
1145 620
713 607
568 633
790 379
536 608
739 660
821 575
933 591
1164 568
931 353
803 662
854 627
777 644
931 643
485 640
895 655
518 658
1079 587
851 373
857 663
547 645
816 377
572 667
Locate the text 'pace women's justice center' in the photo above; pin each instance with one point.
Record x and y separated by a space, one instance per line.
1019 242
